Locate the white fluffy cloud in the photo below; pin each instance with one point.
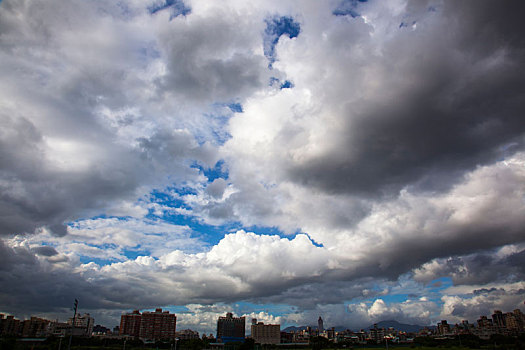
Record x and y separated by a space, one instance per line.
420 311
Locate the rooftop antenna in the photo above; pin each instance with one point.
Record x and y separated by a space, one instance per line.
73 325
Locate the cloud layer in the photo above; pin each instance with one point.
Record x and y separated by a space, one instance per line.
283 160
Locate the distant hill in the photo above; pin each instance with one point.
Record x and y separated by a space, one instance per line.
383 324
300 328
399 326
293 329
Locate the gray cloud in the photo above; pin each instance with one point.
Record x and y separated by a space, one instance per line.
451 99
476 269
210 60
45 251
393 151
68 148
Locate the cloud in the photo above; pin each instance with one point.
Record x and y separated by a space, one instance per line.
502 265
385 160
209 60
471 303
411 311
236 267
79 134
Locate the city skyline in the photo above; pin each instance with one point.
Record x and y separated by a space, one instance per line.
280 160
160 324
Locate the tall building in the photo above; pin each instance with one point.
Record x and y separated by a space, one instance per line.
35 327
9 325
520 318
130 324
512 322
83 324
230 328
377 334
443 327
158 325
498 319
320 325
266 333
485 328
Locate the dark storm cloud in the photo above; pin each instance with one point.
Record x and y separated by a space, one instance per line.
310 295
45 251
35 285
30 287
477 269
454 98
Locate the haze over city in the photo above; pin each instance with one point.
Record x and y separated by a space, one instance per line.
280 160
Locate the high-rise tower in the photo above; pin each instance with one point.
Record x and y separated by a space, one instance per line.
230 328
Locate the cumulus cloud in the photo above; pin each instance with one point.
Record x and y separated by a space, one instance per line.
474 301
420 311
379 137
236 268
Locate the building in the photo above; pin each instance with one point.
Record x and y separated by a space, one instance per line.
83 324
485 328
266 333
230 328
377 334
443 327
130 324
512 323
158 325
330 333
520 319
35 327
464 328
286 337
302 336
187 334
320 326
498 319
9 325
101 330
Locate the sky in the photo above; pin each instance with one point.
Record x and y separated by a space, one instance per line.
284 160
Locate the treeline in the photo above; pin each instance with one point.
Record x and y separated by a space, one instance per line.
54 343
497 341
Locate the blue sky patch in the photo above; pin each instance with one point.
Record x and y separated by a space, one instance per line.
132 254
440 284
176 309
348 8
287 85
235 107
264 230
101 262
217 121
245 307
177 8
275 28
219 170
165 198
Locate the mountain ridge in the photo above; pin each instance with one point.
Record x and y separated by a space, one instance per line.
404 327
